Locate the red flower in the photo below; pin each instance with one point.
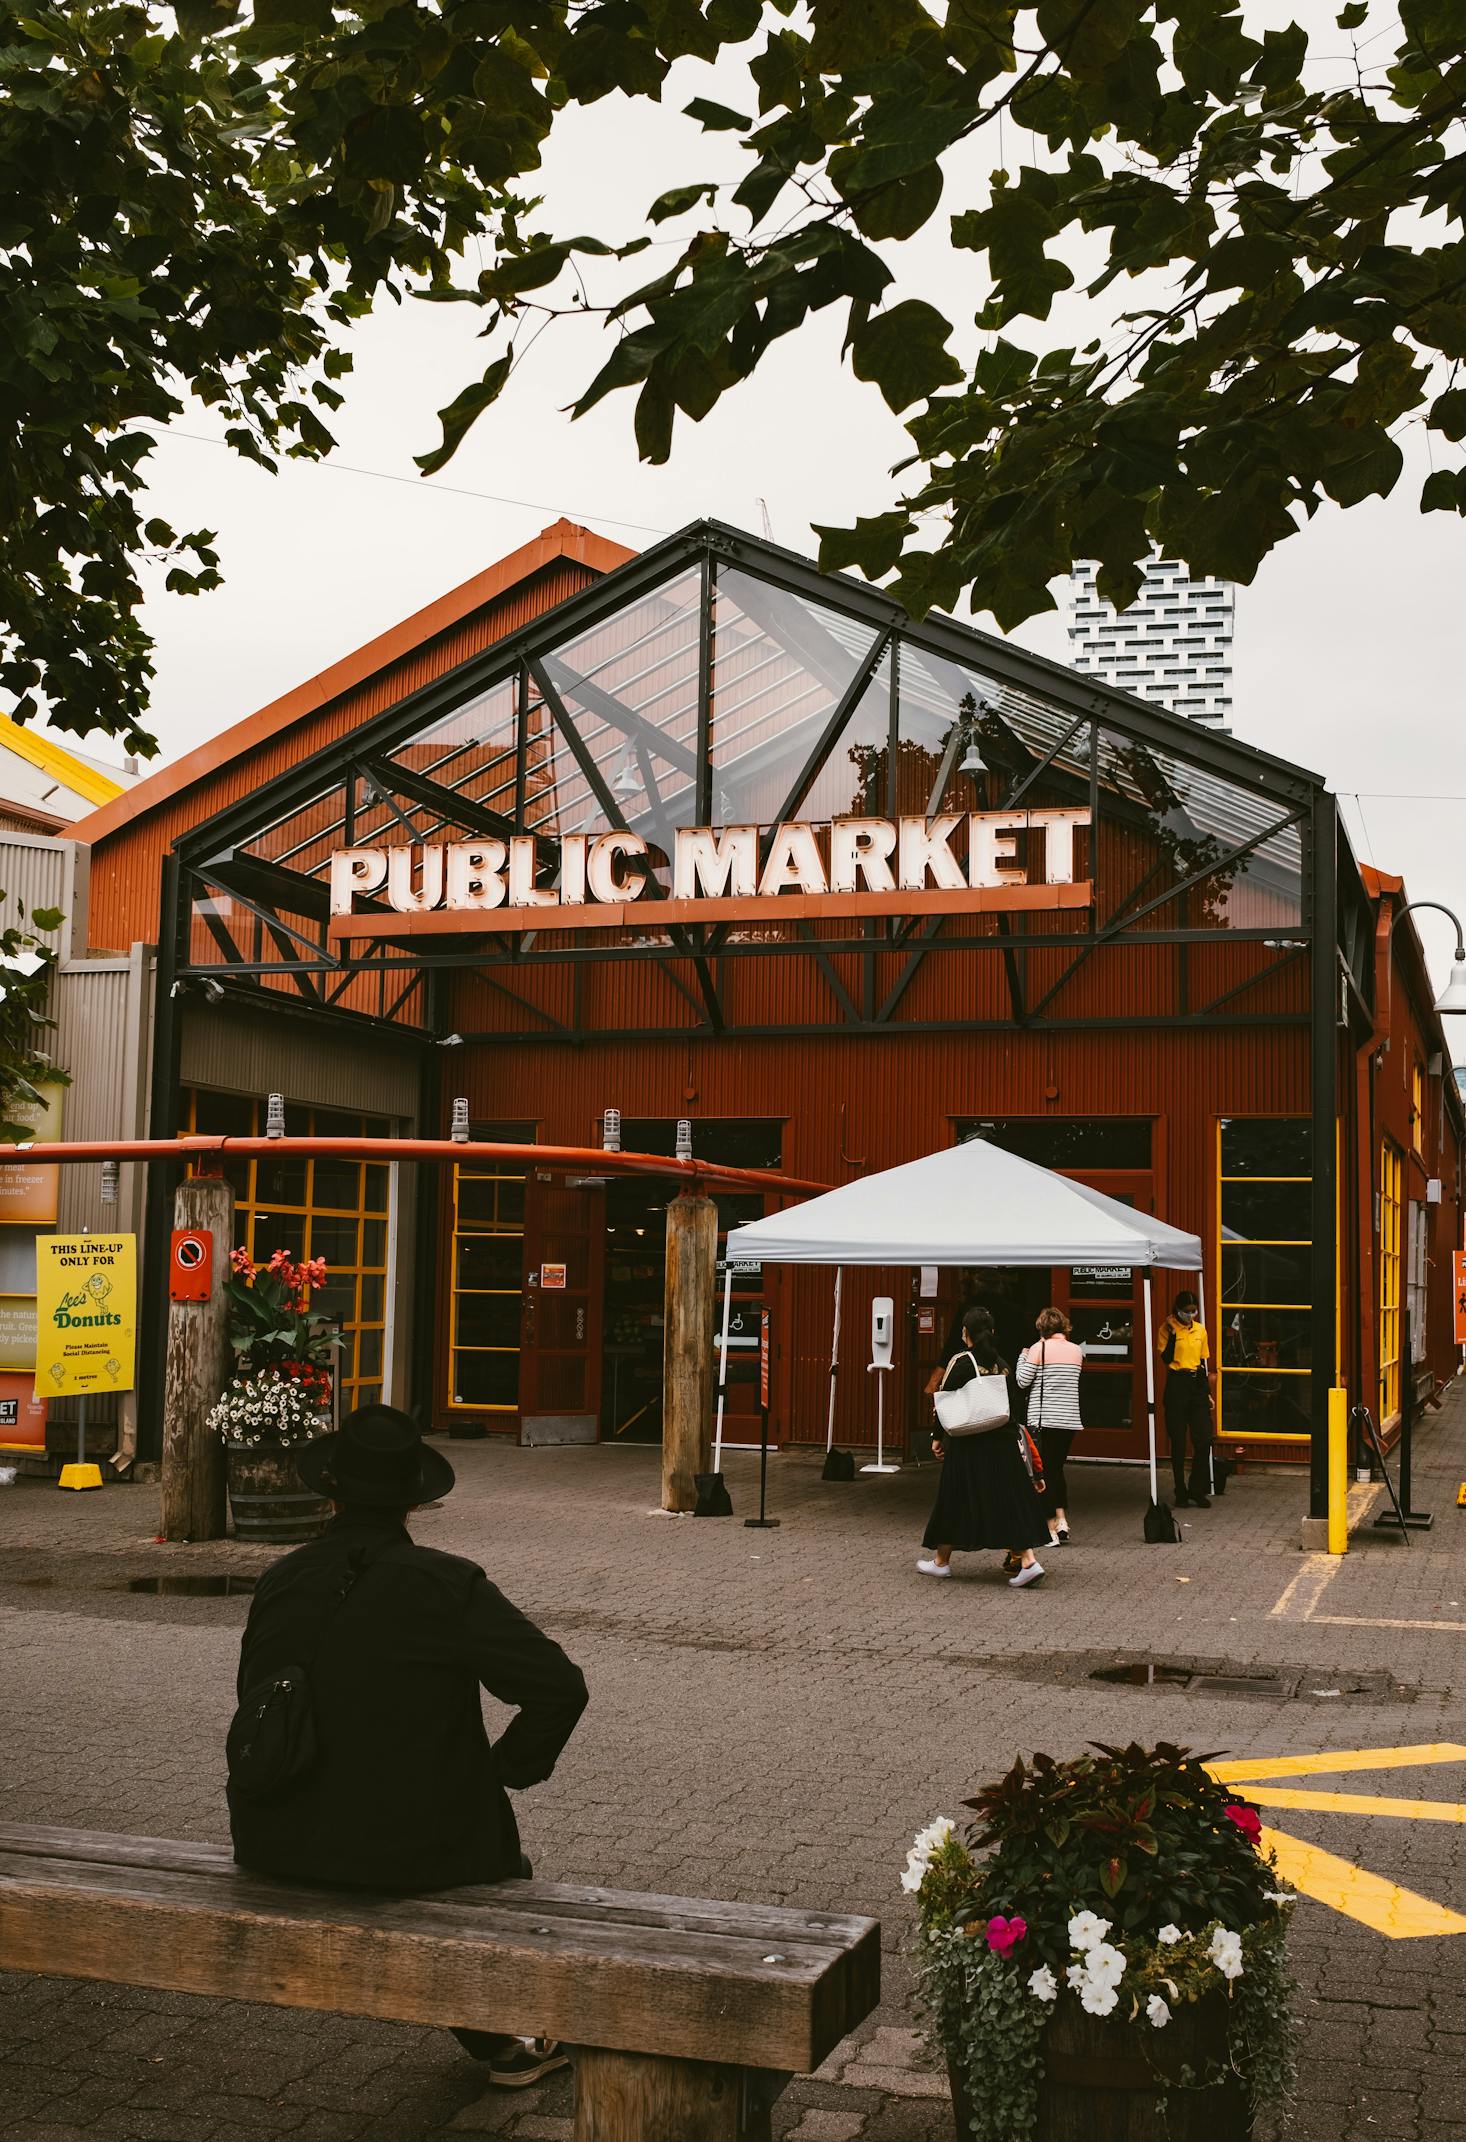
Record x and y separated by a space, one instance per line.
1247 1820
1004 1935
242 1261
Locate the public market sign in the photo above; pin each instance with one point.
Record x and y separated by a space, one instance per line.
957 862
86 1318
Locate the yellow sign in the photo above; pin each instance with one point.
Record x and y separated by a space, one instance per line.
17 1331
86 1294
29 1192
1387 1907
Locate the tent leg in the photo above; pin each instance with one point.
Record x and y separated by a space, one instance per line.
834 1362
723 1365
1150 1386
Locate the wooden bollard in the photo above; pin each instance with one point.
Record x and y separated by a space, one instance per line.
687 1355
197 1370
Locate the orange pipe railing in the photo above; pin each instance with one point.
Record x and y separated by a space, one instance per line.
559 1159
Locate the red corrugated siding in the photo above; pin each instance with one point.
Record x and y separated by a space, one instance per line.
883 1101
127 864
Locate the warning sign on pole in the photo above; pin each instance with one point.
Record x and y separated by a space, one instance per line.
1458 1276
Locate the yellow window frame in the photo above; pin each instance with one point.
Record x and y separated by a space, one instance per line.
1391 1187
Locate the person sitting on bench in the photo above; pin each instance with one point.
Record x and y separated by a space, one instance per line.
391 1643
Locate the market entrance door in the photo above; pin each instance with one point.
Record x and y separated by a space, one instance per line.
560 1329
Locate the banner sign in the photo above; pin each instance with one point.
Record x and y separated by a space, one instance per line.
22 1414
1458 1279
763 1360
86 1294
953 863
17 1331
28 1193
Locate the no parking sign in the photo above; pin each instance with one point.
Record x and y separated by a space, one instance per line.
191 1265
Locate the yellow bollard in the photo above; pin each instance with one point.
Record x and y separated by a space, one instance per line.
1338 1471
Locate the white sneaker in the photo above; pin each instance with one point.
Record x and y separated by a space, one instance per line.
1030 1575
929 1568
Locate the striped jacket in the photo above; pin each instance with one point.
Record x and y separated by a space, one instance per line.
1052 1368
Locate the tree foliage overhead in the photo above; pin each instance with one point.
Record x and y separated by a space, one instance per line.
1292 221
202 199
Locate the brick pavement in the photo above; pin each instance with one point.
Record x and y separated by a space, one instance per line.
772 1716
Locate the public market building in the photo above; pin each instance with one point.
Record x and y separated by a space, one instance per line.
706 834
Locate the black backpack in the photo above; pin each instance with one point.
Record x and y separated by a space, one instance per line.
839 1465
271 1742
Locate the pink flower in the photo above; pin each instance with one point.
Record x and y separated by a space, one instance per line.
1004 1935
241 1260
314 1273
280 1261
1247 1820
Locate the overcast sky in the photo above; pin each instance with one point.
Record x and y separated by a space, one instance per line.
1349 646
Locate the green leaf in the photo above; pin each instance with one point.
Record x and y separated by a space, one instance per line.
680 199
904 352
716 118
1370 471
463 412
1354 15
48 918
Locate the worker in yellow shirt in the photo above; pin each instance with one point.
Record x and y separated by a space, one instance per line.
1186 1351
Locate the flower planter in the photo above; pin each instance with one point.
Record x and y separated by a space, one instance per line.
270 1501
1103 2080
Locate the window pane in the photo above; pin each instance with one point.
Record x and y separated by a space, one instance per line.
282 1181
489 1261
1267 1338
477 1207
852 781
1261 1147
1267 1212
1164 819
471 750
780 666
486 1379
374 1187
1262 1403
1082 1142
488 1319
369 1353
1106 1399
335 1240
1267 1275
230 1115
374 1242
337 1184
1105 1334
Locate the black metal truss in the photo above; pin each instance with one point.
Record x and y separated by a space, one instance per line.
286 908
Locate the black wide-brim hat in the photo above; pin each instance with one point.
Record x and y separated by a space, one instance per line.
376 1458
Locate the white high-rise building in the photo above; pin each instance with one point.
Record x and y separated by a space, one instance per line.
1172 646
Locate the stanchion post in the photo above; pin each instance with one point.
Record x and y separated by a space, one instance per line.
1338 1471
763 1522
197 1368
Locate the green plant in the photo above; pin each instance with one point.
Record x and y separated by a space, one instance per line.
26 961
1129 1880
270 1321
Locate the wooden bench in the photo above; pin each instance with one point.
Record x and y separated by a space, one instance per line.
687 2016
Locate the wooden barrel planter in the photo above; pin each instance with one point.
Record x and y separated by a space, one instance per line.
270 1501
1104 2081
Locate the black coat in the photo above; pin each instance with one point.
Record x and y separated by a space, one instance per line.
406 1793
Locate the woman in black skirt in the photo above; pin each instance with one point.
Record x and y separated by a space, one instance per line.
984 1497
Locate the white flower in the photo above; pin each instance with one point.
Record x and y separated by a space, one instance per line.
923 1845
1169 1934
1280 1896
1085 1930
1077 1977
1043 1985
1097 2000
1105 1965
1158 2012
1225 1951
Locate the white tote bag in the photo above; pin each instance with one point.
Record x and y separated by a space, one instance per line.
975 1407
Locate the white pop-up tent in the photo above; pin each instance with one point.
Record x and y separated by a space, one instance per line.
971 1204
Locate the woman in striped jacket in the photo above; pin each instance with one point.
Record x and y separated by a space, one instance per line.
1050 1373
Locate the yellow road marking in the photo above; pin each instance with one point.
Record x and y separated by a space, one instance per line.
1366 1621
1304 1589
1302 1766
1356 1803
1384 1906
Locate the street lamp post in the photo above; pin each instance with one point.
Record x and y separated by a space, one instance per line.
1453 997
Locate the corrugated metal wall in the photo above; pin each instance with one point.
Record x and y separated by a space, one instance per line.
242 1052
41 872
855 1104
